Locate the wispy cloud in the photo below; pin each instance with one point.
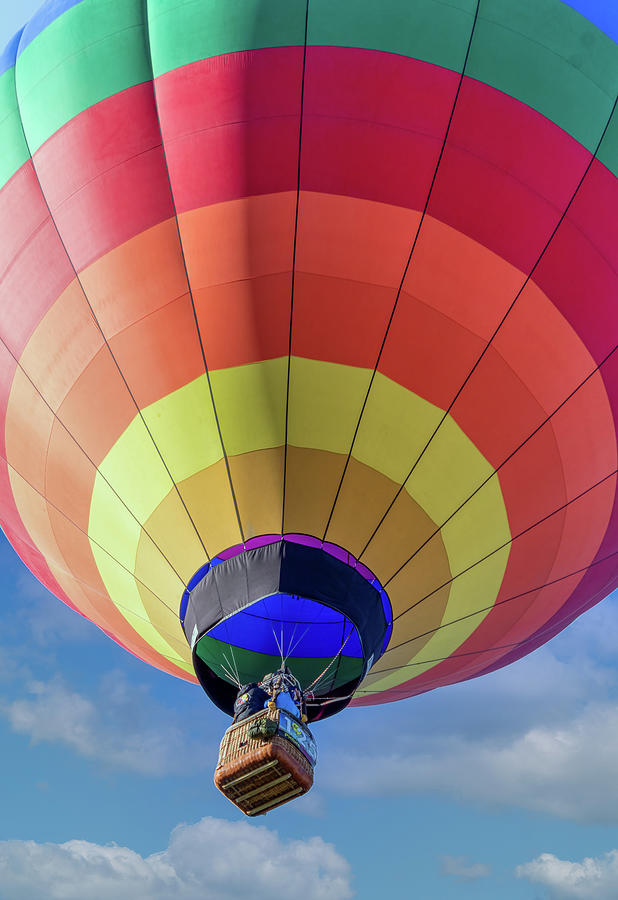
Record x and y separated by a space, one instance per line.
120 725
590 879
212 860
538 735
569 771
458 867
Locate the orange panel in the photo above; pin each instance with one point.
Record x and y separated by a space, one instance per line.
448 268
312 477
69 477
136 278
29 423
160 353
98 407
62 345
428 352
543 348
239 239
245 321
339 320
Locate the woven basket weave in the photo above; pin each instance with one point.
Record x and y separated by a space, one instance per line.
258 775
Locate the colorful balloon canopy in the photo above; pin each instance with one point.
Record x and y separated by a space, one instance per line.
340 271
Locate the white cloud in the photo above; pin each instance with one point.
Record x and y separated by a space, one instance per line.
537 735
568 770
121 726
460 868
212 860
591 879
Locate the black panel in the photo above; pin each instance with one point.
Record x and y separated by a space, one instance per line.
288 568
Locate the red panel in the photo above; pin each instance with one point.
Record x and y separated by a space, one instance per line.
237 87
36 267
432 355
506 175
244 159
594 211
7 371
339 320
245 321
370 85
532 481
580 278
104 174
239 112
495 409
360 159
20 539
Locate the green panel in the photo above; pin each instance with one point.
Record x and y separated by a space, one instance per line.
608 151
252 666
93 51
431 30
184 32
14 152
542 52
548 56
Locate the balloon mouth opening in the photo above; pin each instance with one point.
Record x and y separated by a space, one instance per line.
289 600
321 645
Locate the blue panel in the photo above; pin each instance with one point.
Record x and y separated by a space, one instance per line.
295 625
602 13
9 54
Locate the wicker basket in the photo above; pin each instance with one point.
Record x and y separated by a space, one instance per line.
258 775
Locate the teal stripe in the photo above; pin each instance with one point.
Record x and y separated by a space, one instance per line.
608 151
552 59
93 51
429 30
185 32
13 149
542 52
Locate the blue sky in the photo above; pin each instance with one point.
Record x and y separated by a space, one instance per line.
502 787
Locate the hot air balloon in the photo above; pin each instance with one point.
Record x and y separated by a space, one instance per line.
308 320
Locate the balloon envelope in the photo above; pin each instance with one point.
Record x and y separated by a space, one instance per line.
344 272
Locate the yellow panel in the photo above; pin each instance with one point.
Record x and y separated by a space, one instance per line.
258 483
135 470
476 588
479 528
324 406
165 619
184 428
121 584
154 570
171 529
311 483
111 524
325 401
447 473
394 429
250 403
